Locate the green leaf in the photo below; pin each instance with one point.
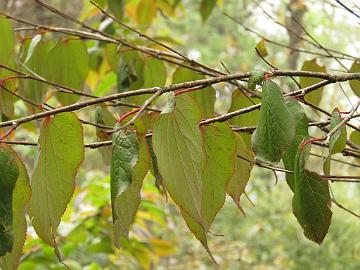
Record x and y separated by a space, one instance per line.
69 66
220 154
301 132
311 201
178 147
34 41
205 98
7 40
20 199
61 148
6 97
206 7
126 203
117 8
355 137
275 130
256 78
261 48
154 73
313 97
337 141
9 172
124 157
239 101
104 117
355 84
37 63
154 168
123 76
146 12
242 171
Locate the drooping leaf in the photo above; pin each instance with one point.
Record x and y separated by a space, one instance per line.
61 148
337 141
9 172
154 168
275 130
21 197
178 146
311 201
240 178
127 203
205 98
313 97
7 40
220 149
206 7
104 117
68 65
238 101
256 78
261 48
355 84
117 8
146 12
301 132
124 157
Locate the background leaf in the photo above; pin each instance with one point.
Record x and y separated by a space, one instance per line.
238 101
117 8
206 7
355 84
313 97
68 65
205 98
